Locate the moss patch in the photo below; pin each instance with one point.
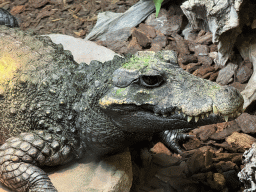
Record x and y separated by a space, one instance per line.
139 62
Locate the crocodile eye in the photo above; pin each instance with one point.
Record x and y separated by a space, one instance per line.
151 80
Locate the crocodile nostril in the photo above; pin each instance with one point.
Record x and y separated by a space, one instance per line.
226 90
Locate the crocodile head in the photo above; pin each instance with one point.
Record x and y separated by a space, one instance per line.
152 93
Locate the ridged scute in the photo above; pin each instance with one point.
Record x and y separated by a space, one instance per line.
36 84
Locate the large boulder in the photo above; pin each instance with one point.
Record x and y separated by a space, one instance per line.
112 174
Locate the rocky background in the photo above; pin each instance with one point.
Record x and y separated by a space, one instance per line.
212 159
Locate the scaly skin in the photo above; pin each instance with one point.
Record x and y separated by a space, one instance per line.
54 110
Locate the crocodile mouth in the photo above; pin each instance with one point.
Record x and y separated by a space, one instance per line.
170 116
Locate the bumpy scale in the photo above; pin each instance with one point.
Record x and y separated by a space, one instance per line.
54 110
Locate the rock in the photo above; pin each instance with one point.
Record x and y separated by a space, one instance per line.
213 48
167 24
201 50
226 74
117 46
149 30
189 34
134 46
241 140
240 87
83 51
160 40
174 24
112 174
213 55
247 123
119 35
182 45
143 39
205 60
243 74
224 130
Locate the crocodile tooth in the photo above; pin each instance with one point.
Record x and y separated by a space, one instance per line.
164 115
226 118
202 116
156 114
184 114
178 112
215 110
189 118
207 114
196 119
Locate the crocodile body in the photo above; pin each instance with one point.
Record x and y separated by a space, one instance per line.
54 110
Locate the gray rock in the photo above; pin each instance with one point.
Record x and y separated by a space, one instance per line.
165 23
83 51
226 74
201 50
247 123
243 74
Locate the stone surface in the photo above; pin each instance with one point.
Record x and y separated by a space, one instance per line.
201 50
226 74
205 60
160 39
165 23
112 174
83 51
247 123
243 74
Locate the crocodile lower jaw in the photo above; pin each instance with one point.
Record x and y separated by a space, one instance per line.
196 118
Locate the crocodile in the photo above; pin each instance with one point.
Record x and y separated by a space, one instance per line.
55 110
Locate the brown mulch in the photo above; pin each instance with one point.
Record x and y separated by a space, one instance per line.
75 18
